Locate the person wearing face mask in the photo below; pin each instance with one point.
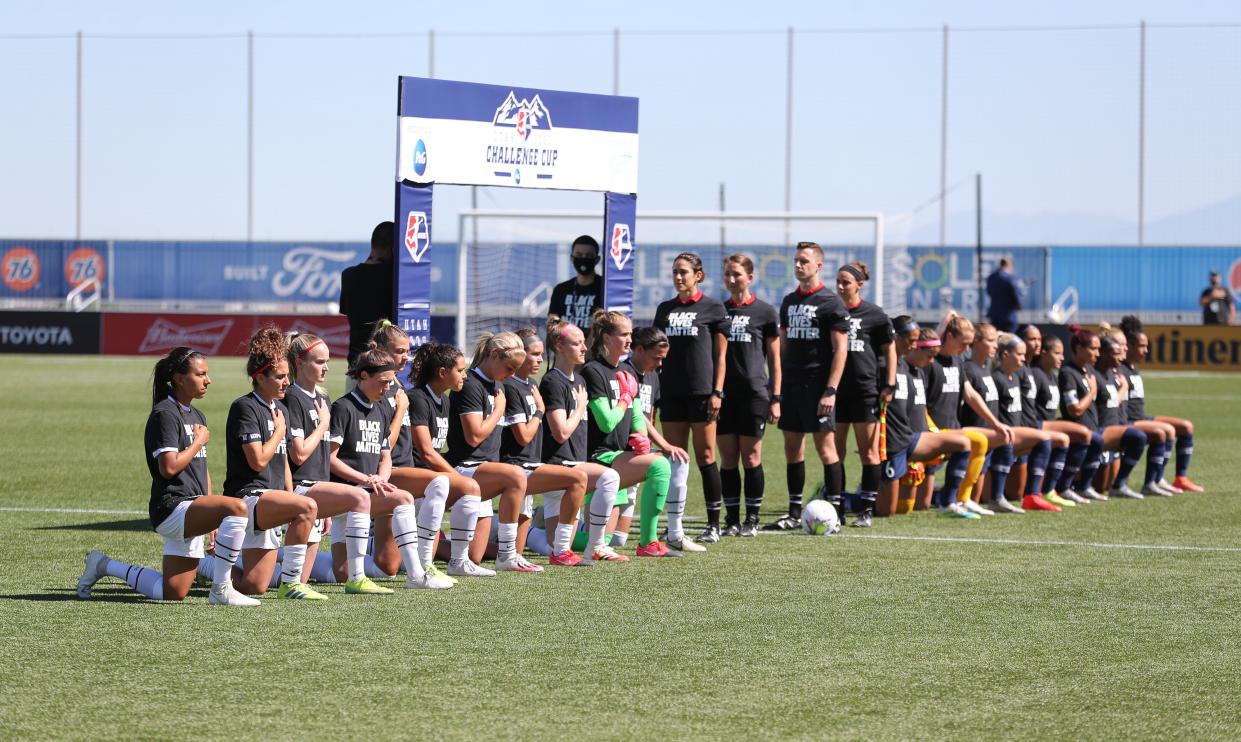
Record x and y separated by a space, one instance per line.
577 299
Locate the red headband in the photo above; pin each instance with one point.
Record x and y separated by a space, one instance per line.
262 368
928 343
313 345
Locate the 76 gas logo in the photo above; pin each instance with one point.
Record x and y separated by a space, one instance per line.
83 266
20 268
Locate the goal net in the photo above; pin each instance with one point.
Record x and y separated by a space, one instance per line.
509 261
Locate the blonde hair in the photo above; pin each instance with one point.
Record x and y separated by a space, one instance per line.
300 344
603 322
958 326
507 342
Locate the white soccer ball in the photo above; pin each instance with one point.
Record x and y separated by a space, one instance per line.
819 517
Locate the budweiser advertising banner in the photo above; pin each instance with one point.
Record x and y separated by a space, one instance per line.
213 334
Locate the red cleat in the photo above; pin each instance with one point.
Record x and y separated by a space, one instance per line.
1036 502
657 549
1182 482
565 559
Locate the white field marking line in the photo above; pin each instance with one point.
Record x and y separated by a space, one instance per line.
963 540
1200 397
73 511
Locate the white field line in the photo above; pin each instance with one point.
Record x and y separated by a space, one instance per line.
948 539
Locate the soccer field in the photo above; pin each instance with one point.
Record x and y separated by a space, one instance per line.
1115 620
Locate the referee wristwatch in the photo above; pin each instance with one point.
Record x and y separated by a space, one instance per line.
829 392
777 398
717 393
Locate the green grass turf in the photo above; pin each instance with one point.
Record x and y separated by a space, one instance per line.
783 636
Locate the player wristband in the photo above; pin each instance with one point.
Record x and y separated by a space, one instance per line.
717 393
777 398
538 414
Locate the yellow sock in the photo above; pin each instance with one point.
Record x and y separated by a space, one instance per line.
978 451
905 506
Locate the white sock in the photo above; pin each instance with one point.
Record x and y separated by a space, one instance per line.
206 568
536 541
506 540
372 570
461 524
294 559
278 572
620 537
430 517
321 570
563 537
227 547
143 579
601 508
405 533
677 488
551 504
357 532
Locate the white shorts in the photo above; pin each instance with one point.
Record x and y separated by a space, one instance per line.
467 471
269 539
316 531
173 531
486 510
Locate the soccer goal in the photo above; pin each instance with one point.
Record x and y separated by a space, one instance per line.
509 260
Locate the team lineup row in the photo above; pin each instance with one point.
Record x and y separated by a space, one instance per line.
384 463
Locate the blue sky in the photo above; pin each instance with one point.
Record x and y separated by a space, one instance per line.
1049 117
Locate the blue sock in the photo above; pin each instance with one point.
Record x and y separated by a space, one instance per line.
1072 464
957 465
1055 468
1155 454
1001 465
1184 449
1131 445
1093 460
1036 469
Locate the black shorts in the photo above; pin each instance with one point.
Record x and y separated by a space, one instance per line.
688 408
799 411
744 412
853 408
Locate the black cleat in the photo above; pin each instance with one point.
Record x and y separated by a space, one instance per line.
788 522
862 520
709 535
749 528
731 529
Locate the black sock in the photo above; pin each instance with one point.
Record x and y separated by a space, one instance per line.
868 490
730 483
754 484
796 475
711 489
833 485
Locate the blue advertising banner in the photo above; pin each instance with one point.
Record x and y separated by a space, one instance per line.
412 253
618 251
1143 278
50 269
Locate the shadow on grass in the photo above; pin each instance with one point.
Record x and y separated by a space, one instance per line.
134 524
105 594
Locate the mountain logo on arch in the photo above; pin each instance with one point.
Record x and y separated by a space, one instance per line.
524 115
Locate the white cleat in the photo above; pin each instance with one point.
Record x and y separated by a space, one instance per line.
1152 489
466 568
1004 505
428 581
1125 492
1165 484
1074 497
973 507
96 566
516 563
1090 493
226 594
684 544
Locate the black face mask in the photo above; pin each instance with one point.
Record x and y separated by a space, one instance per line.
585 266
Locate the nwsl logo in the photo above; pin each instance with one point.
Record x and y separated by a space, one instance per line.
417 236
523 115
622 248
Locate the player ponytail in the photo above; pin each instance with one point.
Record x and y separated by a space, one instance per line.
509 345
175 363
603 322
385 334
428 359
557 329
266 349
1132 327
648 338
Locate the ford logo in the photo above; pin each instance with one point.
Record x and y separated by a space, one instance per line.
420 158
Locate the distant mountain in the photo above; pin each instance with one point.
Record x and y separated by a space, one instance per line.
1217 224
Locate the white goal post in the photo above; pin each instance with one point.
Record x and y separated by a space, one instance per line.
786 218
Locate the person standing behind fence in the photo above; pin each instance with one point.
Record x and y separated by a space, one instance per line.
1004 297
366 290
575 300
1217 305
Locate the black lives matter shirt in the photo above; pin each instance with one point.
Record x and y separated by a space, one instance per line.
601 383
1107 402
403 451
691 327
170 429
648 387
1011 396
1029 397
365 296
870 331
1135 405
302 420
250 421
558 394
1073 389
431 412
943 377
751 325
808 319
906 413
978 378
575 303
1047 394
477 397
520 407
360 428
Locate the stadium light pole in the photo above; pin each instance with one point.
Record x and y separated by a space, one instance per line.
250 136
615 61
77 199
431 53
978 236
788 139
943 143
1142 137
